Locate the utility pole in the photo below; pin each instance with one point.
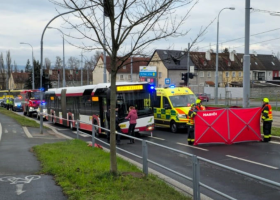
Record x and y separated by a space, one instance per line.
81 68
104 51
188 65
246 58
131 68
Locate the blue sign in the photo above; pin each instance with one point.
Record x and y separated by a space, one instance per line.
150 74
167 81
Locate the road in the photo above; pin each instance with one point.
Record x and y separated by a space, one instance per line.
261 159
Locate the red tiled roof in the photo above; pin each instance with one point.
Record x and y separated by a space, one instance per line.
20 77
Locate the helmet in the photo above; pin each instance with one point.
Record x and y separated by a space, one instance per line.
198 101
265 100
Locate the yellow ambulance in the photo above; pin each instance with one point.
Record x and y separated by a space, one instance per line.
171 107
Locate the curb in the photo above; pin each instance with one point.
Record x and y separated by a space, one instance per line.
47 125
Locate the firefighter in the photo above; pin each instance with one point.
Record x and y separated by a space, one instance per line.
199 106
266 119
190 122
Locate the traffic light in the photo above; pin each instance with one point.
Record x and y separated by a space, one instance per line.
45 82
185 78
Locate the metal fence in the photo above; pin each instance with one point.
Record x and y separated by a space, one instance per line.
195 160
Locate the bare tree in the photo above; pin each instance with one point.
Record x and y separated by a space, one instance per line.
138 23
73 63
58 63
8 62
2 71
48 63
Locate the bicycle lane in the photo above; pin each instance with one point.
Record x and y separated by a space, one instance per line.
19 178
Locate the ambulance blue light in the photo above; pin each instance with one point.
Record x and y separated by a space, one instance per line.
172 86
152 87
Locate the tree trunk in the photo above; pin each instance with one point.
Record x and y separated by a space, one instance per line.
113 153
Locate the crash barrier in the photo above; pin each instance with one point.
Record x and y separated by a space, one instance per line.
195 179
227 126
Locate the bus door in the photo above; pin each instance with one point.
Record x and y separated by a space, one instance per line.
103 111
63 107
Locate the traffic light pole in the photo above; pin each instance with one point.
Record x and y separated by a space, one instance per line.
188 63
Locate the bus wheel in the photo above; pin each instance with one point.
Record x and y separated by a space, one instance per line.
24 113
173 127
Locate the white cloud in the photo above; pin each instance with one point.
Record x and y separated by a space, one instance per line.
24 21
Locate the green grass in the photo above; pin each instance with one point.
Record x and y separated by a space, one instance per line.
23 121
83 174
274 131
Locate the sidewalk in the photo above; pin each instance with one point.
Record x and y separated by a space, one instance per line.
19 178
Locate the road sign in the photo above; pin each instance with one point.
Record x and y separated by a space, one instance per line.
167 81
148 71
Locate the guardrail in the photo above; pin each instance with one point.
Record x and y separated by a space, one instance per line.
195 179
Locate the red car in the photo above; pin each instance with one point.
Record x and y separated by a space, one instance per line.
202 97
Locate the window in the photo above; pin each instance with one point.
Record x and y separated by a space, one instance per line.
201 84
159 85
240 74
159 74
166 102
233 74
208 74
124 67
227 74
269 73
129 77
157 102
201 74
121 77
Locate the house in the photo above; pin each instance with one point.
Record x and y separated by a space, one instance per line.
170 64
17 80
123 74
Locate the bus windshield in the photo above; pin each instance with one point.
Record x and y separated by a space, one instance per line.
182 100
140 100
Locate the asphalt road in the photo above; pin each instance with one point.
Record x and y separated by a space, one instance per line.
261 159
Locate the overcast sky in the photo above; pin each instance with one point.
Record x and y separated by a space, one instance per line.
24 21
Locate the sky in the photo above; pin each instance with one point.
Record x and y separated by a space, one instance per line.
25 20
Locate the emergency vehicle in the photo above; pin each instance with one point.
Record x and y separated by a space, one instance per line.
31 101
171 106
90 103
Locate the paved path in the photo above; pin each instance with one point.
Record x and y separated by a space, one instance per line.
19 178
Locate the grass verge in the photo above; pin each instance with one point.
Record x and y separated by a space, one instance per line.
83 174
23 121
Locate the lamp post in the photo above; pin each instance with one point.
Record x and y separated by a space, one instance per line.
217 56
82 68
41 59
63 73
33 84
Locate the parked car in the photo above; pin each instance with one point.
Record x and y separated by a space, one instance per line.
3 103
17 106
202 97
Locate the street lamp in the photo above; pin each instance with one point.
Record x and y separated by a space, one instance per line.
217 56
33 86
63 81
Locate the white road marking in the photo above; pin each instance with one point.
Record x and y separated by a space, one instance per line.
82 134
19 190
274 142
27 133
252 162
156 138
6 131
192 146
62 129
0 131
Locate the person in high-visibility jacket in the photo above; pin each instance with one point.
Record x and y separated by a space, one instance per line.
266 119
190 123
8 103
199 106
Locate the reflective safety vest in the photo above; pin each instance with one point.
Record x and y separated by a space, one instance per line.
200 107
267 112
190 117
